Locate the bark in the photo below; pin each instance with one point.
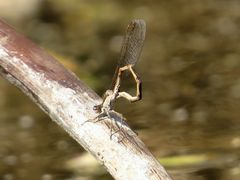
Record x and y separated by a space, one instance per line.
69 102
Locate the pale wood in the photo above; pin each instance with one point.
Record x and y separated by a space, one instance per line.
69 103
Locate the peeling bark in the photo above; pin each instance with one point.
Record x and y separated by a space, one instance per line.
69 102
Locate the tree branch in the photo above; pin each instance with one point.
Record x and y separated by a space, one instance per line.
69 103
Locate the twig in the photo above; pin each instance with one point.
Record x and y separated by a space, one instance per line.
69 103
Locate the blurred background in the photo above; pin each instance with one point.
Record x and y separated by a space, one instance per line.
190 67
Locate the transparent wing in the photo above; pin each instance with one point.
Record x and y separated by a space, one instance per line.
132 43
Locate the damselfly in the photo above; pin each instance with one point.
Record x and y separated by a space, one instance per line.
130 52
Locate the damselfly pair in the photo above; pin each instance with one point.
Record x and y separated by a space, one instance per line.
130 52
